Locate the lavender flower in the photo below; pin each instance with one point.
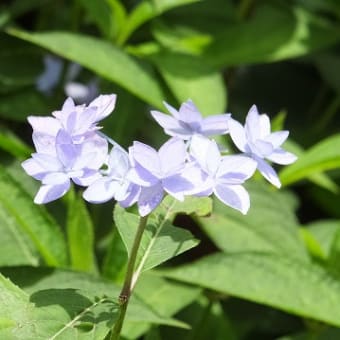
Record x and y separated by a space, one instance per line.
223 175
114 182
68 147
70 162
188 121
256 141
158 172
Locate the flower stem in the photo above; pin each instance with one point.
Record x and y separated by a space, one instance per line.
126 291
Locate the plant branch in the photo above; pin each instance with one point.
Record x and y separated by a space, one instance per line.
126 291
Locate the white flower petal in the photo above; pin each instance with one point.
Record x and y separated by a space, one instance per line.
215 125
101 190
236 169
237 134
235 196
277 138
206 153
172 155
268 172
147 157
264 125
252 125
105 104
281 156
49 193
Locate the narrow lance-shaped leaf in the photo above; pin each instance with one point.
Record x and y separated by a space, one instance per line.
321 157
80 235
34 222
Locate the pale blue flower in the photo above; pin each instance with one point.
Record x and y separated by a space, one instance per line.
188 121
223 175
70 162
158 173
114 182
257 141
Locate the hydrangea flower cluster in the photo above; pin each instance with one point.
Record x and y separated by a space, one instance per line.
70 147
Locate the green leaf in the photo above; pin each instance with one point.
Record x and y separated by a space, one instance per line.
99 12
333 263
189 78
20 63
207 319
318 178
321 157
29 224
73 305
13 145
161 240
281 282
156 291
145 11
290 32
270 224
80 235
19 104
108 61
115 260
324 232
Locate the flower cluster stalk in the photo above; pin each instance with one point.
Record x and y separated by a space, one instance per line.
126 291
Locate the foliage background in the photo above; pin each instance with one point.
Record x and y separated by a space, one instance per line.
273 274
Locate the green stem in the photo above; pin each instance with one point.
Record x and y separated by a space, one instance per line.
126 292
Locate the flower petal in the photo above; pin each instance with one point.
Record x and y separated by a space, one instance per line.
189 113
277 138
206 153
101 190
264 125
150 198
171 125
105 104
252 125
215 125
49 193
147 157
281 156
268 172
172 155
235 169
237 134
234 196
34 169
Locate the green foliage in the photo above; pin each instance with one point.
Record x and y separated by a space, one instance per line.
203 269
30 229
161 240
283 282
323 156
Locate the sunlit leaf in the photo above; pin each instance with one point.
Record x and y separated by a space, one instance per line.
278 281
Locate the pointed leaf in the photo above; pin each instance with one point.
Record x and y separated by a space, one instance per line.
80 235
188 77
156 291
321 157
161 240
31 224
280 282
72 305
270 224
